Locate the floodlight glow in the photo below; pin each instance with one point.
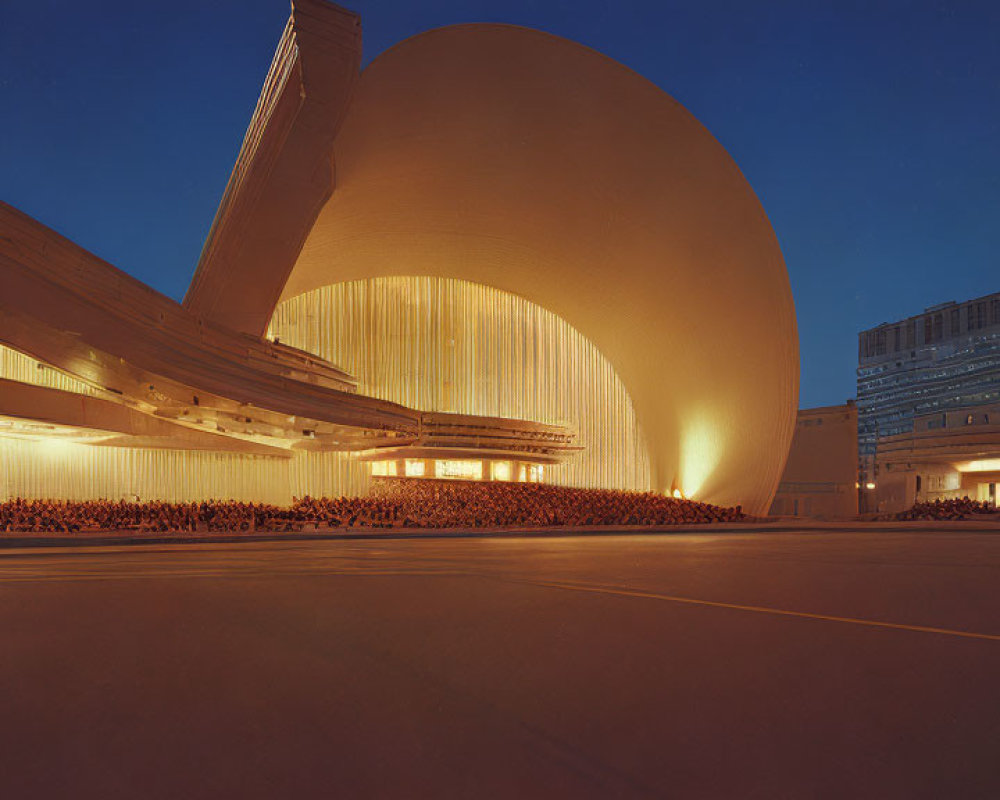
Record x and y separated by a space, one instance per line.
701 451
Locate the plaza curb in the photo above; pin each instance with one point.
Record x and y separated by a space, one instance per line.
9 541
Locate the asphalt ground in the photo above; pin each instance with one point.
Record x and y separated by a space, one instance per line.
827 664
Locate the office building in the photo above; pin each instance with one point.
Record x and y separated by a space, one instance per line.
926 385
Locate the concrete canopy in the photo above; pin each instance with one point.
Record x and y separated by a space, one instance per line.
523 161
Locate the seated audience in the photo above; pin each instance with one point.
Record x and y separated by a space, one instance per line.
392 503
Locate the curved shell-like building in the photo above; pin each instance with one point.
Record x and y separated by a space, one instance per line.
492 244
526 162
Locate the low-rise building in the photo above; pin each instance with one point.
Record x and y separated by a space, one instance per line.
951 454
820 477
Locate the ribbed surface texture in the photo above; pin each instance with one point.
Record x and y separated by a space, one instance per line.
441 344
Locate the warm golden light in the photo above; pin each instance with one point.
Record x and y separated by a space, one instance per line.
383 469
677 494
45 432
441 344
73 471
701 451
980 465
57 448
464 469
17 366
467 469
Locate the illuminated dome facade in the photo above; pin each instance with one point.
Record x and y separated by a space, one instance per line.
522 161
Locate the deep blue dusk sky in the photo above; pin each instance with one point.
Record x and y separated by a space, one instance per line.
870 130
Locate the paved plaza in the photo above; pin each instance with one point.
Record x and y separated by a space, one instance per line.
815 665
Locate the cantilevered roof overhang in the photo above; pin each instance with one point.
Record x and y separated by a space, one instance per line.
284 172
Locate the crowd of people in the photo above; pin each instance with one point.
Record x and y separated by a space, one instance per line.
470 504
953 508
392 503
38 516
401 503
